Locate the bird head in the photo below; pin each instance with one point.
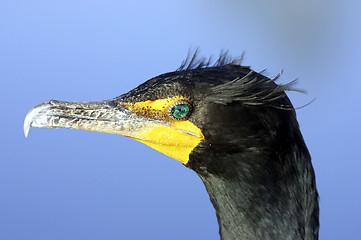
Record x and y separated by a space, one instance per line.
176 113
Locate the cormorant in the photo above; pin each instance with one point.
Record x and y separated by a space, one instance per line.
234 127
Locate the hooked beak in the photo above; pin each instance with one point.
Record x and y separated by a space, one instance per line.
175 139
100 116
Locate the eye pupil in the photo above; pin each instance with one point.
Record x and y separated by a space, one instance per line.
180 111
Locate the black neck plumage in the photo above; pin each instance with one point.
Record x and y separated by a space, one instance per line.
265 195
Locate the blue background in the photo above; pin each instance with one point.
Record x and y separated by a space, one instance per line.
68 184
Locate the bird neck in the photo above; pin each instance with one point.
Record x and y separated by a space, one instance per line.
265 195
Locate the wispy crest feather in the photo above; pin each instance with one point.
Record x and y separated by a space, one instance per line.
252 89
194 61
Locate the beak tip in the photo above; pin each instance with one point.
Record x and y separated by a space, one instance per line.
27 124
26 132
34 117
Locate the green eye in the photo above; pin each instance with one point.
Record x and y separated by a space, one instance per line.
180 111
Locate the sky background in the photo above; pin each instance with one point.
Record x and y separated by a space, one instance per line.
70 184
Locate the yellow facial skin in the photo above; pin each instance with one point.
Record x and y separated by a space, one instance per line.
174 138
